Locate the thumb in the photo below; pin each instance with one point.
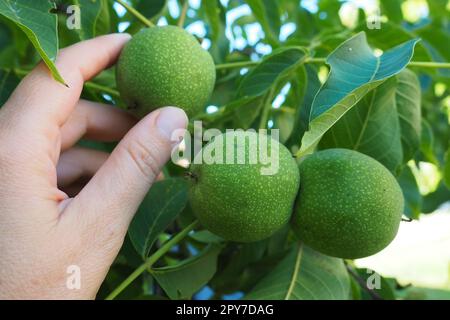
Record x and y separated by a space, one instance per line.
113 195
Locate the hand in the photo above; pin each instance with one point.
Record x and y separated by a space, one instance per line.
42 230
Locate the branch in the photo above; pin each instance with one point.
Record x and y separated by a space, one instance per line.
136 13
95 86
152 260
240 64
422 64
267 106
245 64
183 13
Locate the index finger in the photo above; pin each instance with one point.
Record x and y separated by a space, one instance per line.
39 95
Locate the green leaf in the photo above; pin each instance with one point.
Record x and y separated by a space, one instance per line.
246 264
432 201
225 88
427 142
268 15
385 124
8 82
216 20
283 121
150 8
390 34
205 236
393 9
355 71
95 18
371 127
408 102
40 26
356 290
232 108
5 36
331 8
446 168
213 14
437 41
274 66
305 274
165 200
182 280
232 269
386 290
307 24
410 188
418 293
438 8
115 276
309 82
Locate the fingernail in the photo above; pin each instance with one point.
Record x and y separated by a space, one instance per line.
171 119
123 35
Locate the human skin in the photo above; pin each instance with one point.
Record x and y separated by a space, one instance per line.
43 230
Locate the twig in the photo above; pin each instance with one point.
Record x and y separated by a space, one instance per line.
240 64
151 260
244 64
183 13
267 106
422 64
136 13
95 86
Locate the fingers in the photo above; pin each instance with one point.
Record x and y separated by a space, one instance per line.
125 178
78 162
41 97
95 121
30 121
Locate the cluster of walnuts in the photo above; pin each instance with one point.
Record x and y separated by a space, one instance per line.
340 202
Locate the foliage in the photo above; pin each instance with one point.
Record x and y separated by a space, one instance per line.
271 59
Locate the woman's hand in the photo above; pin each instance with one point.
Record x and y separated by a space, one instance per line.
44 234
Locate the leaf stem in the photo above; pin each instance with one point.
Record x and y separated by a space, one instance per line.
244 64
183 13
95 86
21 72
136 13
298 260
315 60
267 106
151 260
423 64
239 64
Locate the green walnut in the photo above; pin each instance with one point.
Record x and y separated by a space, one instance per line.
349 205
251 194
165 66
